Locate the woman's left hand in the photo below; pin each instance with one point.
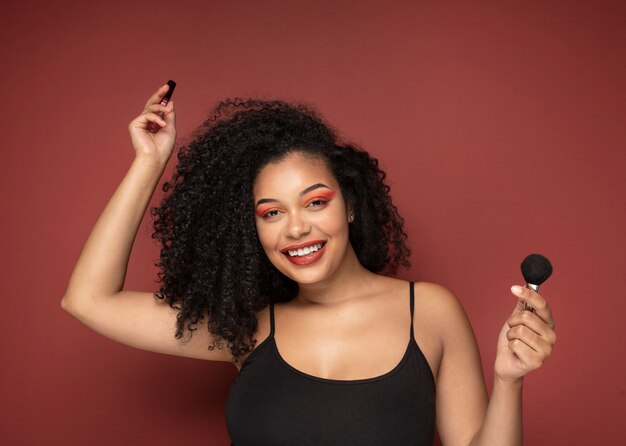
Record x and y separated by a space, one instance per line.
527 337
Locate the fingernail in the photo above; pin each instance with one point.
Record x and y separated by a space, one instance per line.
517 290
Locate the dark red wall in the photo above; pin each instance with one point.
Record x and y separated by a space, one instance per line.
501 126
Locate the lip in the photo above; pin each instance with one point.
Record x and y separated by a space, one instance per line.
308 259
302 245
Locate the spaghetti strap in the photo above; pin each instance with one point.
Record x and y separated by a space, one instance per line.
412 307
271 319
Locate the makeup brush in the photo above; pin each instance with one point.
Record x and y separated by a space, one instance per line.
536 269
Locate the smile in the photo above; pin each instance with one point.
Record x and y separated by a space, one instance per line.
304 254
305 251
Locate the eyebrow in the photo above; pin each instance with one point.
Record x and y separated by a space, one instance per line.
305 191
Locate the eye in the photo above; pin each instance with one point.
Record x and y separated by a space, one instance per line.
317 202
271 213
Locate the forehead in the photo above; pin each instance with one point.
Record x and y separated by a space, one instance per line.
293 173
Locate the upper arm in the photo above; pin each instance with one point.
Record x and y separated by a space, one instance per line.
461 397
139 320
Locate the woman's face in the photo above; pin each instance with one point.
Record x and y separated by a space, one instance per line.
301 218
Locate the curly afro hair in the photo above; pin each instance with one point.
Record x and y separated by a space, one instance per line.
212 263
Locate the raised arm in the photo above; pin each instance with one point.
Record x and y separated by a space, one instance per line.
94 294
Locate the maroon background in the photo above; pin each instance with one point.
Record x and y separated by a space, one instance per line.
501 126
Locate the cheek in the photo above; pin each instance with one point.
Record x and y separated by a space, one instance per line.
267 236
340 216
333 223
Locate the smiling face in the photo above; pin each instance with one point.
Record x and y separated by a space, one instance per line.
301 219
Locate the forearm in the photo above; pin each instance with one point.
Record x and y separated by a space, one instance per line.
101 267
503 421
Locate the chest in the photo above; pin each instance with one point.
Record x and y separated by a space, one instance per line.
345 346
343 350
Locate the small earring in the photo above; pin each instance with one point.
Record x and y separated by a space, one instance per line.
350 218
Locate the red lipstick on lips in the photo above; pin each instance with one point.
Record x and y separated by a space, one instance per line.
308 259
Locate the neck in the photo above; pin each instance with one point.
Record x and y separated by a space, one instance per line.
349 281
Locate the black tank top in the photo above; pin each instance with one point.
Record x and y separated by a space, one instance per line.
271 403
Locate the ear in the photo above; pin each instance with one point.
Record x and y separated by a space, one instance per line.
350 211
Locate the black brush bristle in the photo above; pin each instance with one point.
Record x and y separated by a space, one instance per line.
536 269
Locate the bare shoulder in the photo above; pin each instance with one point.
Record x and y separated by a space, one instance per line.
426 292
437 296
433 301
442 307
440 325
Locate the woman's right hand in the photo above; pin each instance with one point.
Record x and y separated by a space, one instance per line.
156 147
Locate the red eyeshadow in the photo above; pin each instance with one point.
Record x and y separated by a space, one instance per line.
325 193
260 210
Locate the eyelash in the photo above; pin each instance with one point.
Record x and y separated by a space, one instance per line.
322 202
266 214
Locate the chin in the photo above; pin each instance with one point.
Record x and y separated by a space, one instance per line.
308 274
308 279
303 275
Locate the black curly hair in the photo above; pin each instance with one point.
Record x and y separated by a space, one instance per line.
211 259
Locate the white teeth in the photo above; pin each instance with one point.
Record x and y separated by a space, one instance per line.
305 251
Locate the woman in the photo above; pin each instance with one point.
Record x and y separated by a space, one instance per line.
274 235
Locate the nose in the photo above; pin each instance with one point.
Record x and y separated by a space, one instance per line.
297 226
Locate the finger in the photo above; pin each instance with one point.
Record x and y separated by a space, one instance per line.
170 117
145 118
537 302
170 114
522 323
533 322
526 354
158 95
536 342
156 108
